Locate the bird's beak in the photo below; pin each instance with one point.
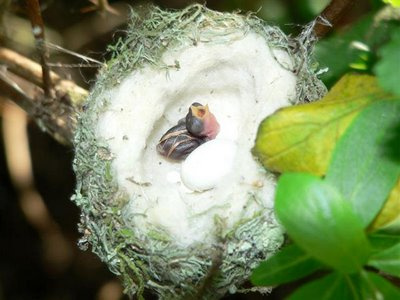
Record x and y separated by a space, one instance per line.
200 112
201 122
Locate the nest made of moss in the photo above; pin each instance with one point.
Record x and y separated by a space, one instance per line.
152 255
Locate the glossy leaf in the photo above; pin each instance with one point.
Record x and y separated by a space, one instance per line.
334 286
387 261
375 287
301 138
288 264
363 167
321 222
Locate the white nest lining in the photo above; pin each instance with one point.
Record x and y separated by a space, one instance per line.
242 83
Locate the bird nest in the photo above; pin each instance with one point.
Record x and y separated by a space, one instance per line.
167 259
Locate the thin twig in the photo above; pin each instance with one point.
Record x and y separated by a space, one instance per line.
21 82
35 17
32 71
10 89
73 53
65 66
58 120
332 13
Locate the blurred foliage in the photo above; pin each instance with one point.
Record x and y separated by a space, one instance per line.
363 46
387 68
395 3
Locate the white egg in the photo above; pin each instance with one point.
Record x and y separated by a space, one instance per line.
206 166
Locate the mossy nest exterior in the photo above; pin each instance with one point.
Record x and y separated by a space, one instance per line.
148 228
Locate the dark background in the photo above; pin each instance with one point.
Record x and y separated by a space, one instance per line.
39 258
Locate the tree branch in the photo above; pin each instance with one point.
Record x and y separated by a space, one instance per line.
21 81
332 13
31 71
35 16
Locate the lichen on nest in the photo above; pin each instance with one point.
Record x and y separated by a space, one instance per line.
153 261
149 35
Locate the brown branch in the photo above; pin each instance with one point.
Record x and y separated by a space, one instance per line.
35 16
31 71
58 121
10 89
332 13
21 81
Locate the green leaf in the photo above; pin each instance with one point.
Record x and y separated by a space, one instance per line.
389 216
387 68
301 138
387 261
288 264
395 3
375 287
321 222
362 167
382 240
335 286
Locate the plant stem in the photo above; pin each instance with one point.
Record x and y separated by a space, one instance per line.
332 13
21 81
35 17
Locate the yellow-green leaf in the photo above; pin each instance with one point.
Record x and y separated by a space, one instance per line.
389 216
302 138
395 3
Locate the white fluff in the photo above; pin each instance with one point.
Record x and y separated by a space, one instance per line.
242 83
